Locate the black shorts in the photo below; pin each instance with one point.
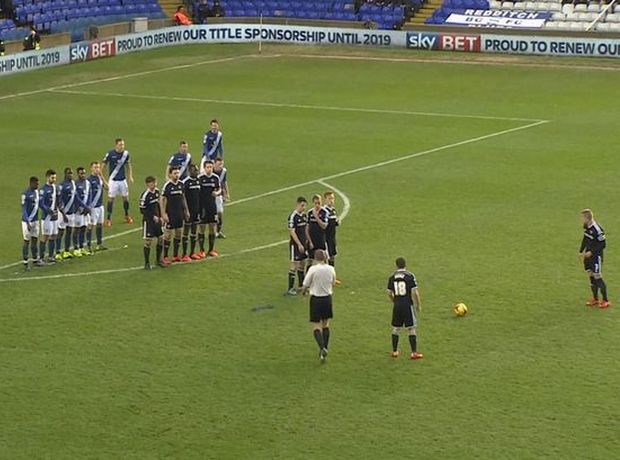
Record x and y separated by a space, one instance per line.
151 230
320 308
594 264
402 315
194 218
295 254
208 215
174 222
318 243
331 247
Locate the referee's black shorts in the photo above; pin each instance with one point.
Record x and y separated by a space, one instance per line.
320 308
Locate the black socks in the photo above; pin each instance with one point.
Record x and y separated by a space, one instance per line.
413 341
326 337
300 277
603 288
318 336
291 280
211 241
395 342
594 287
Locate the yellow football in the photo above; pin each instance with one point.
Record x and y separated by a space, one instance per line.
460 309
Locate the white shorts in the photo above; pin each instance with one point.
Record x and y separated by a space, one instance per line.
96 215
32 232
81 220
50 227
118 187
219 204
70 221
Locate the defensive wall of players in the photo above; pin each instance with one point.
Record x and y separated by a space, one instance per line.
507 42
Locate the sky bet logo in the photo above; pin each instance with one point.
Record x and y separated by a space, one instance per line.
87 51
446 42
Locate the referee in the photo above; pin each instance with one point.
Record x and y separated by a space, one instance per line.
319 281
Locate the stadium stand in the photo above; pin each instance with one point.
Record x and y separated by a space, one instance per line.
385 15
564 15
73 15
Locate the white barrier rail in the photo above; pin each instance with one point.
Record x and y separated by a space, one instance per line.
309 35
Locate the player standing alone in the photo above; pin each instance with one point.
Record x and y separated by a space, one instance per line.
212 144
591 251
319 281
117 160
403 289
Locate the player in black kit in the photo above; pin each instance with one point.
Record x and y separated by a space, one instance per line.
191 187
591 251
297 223
315 230
402 289
175 212
209 189
330 232
151 222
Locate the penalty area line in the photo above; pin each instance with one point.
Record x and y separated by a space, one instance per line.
130 75
284 105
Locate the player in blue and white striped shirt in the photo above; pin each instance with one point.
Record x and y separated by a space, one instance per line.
213 144
117 160
182 159
30 222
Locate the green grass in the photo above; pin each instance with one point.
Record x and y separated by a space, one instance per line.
176 364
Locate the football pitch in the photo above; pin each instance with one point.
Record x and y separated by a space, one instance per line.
474 173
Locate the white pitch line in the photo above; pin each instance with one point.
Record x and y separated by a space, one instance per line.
128 75
487 61
346 202
282 105
320 180
435 149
